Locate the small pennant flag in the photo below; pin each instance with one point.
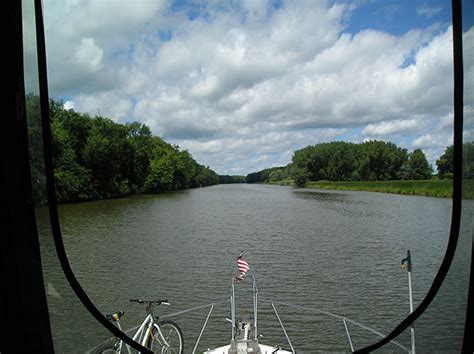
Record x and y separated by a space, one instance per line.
243 266
406 262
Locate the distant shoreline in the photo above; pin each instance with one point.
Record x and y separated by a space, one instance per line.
439 188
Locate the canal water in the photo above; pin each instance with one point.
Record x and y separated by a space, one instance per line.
338 252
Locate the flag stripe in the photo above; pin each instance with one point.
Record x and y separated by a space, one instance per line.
243 266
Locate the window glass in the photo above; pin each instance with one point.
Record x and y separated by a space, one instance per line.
152 102
66 312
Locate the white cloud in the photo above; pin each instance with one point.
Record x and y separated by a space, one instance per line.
69 105
468 123
433 144
390 127
446 122
104 104
99 35
246 79
89 55
433 140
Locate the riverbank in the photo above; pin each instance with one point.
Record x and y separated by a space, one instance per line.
431 188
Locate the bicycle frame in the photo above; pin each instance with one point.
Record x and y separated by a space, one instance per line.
143 333
120 345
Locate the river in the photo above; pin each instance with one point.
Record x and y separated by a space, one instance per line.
333 251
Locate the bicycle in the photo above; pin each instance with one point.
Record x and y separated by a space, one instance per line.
163 337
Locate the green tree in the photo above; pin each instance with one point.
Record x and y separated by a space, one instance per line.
379 160
35 137
97 158
226 179
468 160
108 155
445 164
77 126
267 175
300 176
73 181
275 175
185 169
418 166
140 139
160 178
206 177
341 161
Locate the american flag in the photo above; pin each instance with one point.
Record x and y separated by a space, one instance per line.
243 266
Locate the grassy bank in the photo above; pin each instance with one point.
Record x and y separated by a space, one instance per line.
430 188
283 182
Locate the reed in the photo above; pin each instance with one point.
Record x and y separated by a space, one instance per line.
430 188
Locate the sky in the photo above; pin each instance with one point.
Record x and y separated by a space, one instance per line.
243 84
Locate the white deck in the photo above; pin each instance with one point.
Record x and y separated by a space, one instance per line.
264 349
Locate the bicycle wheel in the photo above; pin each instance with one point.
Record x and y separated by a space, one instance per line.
170 341
107 347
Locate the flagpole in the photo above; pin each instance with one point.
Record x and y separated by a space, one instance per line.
412 329
410 293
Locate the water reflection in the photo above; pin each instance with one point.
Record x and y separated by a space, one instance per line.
318 195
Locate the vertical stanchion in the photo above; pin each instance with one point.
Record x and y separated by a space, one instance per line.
232 307
255 308
203 328
348 335
412 329
283 327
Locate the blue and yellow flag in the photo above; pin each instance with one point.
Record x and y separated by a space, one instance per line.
406 262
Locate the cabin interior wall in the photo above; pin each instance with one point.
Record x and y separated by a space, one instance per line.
23 306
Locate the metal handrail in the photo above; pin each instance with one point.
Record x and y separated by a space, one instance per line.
203 327
256 299
194 309
338 317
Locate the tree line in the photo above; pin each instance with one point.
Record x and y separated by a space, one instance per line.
228 179
368 161
96 158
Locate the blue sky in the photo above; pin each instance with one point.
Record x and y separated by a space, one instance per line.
242 84
399 17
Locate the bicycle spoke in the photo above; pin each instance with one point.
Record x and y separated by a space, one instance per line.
169 333
165 338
